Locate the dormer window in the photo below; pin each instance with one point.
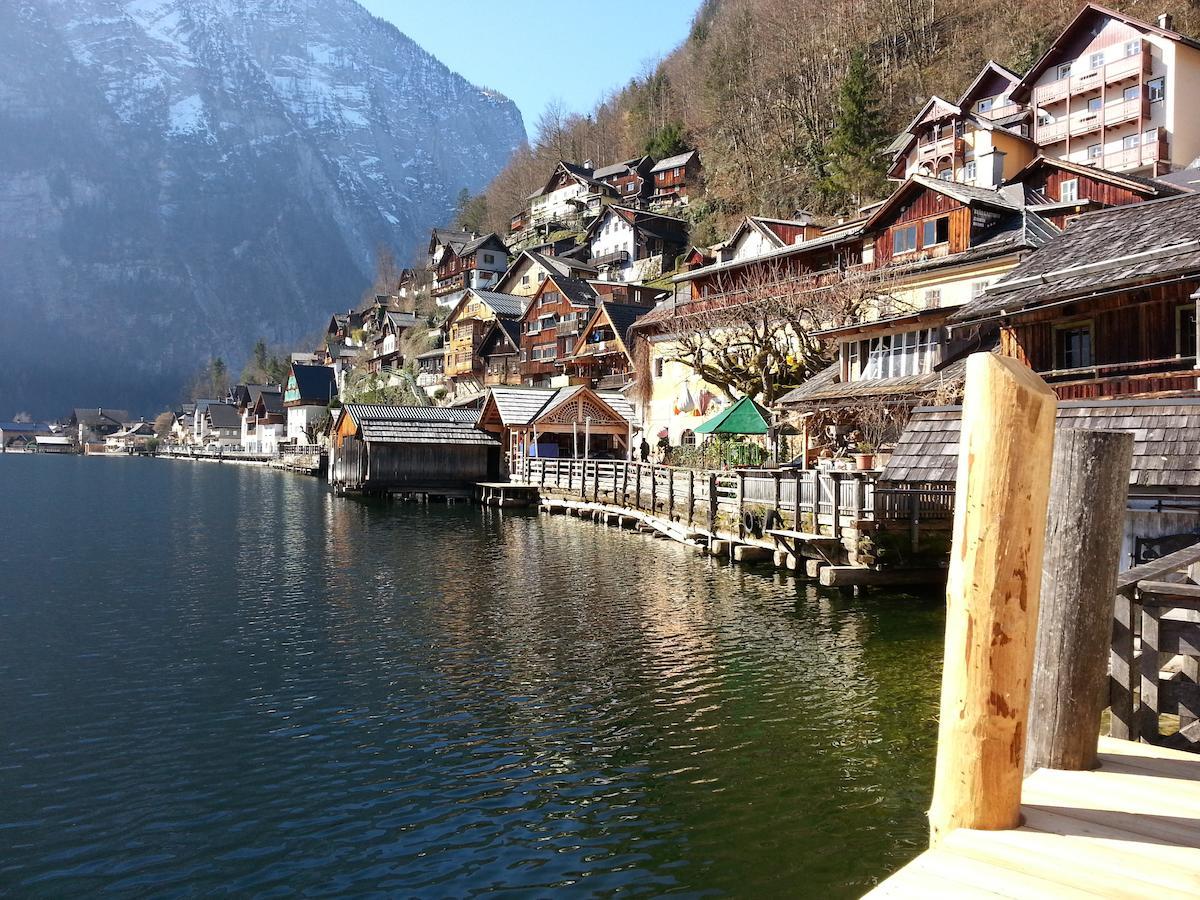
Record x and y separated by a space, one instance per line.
1133 48
986 104
904 240
1096 60
1064 71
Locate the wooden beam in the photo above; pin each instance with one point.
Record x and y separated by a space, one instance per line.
1086 520
858 576
992 595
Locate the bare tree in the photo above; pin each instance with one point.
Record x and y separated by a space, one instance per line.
756 337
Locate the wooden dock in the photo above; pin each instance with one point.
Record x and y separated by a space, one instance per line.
1128 829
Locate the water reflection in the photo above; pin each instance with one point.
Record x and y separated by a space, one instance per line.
276 687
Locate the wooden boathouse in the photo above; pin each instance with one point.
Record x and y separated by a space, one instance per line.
419 450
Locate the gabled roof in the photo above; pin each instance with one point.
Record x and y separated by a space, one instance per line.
743 417
620 316
92 416
520 406
671 162
991 67
503 306
1165 435
506 332
967 194
491 239
269 403
1102 250
582 174
223 415
449 237
314 384
935 108
577 291
621 168
1089 10
767 227
667 228
438 425
1147 187
564 265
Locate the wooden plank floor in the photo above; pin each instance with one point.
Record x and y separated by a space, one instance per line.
1128 829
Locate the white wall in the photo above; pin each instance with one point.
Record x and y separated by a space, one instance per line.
299 418
612 235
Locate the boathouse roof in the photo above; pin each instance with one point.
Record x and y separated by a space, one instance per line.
417 424
521 405
1166 441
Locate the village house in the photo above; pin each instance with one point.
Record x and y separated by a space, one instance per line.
557 314
982 139
270 423
571 193
245 398
133 437
628 244
1059 190
90 427
677 180
464 329
21 437
307 397
530 268
630 181
601 355
385 341
1107 308
755 237
461 260
1116 92
431 366
220 426
500 352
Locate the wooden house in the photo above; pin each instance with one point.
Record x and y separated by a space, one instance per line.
530 268
21 437
431 366
756 236
1108 307
500 352
574 422
627 244
1059 190
220 425
90 426
385 342
133 437
270 423
630 181
410 449
309 393
461 261
677 179
464 329
601 354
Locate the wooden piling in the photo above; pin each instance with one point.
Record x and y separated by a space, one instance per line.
1089 489
992 595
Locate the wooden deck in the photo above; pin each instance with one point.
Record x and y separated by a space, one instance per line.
1128 829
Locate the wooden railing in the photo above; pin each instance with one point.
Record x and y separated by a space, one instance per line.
805 500
1155 618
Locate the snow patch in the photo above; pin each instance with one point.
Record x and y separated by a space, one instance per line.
187 116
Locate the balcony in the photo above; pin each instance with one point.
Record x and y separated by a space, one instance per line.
947 146
1129 67
1125 379
1126 111
616 258
1087 82
1051 92
1085 123
1148 151
568 328
1051 132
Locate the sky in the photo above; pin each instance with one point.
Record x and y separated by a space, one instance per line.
536 51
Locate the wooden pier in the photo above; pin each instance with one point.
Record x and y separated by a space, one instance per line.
1027 801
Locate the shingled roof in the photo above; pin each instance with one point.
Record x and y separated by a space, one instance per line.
418 424
1166 441
1103 250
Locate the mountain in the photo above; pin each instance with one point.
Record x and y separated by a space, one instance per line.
181 177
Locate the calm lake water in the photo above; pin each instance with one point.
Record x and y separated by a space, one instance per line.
217 679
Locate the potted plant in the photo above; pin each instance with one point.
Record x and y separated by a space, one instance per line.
864 459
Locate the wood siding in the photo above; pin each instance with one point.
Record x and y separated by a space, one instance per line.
928 205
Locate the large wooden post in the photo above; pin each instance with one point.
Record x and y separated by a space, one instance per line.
992 595
1089 489
712 503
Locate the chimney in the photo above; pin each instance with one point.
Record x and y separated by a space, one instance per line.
1166 21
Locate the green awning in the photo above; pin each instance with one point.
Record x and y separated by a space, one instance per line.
744 417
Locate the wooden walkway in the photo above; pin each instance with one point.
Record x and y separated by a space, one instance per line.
1128 829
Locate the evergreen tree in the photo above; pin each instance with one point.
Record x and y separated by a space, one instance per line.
856 169
669 140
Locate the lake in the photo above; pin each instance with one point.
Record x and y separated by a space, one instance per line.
223 679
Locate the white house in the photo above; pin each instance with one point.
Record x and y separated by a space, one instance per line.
309 392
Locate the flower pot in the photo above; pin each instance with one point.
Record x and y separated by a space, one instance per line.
864 461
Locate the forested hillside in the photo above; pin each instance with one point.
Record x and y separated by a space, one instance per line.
758 86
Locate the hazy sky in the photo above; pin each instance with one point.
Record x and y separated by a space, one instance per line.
536 50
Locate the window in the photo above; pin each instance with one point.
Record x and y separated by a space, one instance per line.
1064 71
1156 89
541 277
978 288
677 172
904 240
629 187
489 257
1044 118
1133 48
1185 330
1096 60
1130 141
935 231
549 298
525 280
1073 346
986 104
1150 136
1095 151
946 174
1132 92
658 367
969 173
688 438
1094 104
933 298
1068 191
894 355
